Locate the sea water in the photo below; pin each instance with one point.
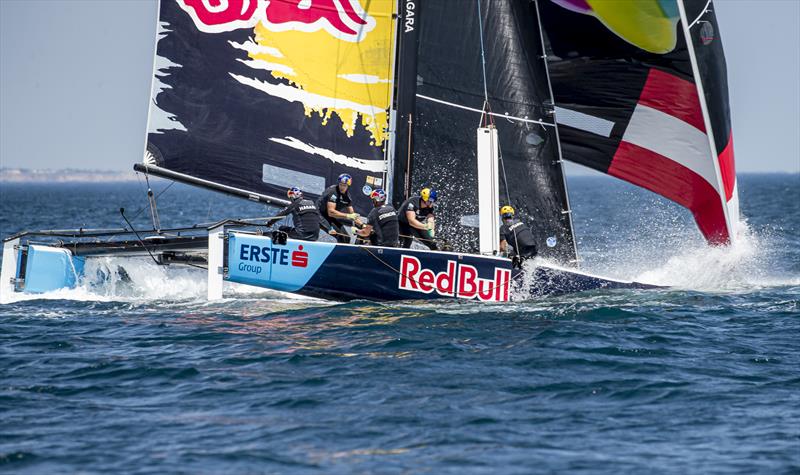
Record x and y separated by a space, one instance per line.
147 377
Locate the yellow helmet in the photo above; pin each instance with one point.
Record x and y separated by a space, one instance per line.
507 211
428 194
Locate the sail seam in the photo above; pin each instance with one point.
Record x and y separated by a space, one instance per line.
479 111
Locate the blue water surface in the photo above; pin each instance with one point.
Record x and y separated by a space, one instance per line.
148 377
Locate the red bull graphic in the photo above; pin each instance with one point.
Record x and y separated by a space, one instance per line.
217 16
335 54
301 88
343 19
460 281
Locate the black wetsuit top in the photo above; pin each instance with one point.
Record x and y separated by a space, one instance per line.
333 195
519 236
385 227
305 217
413 204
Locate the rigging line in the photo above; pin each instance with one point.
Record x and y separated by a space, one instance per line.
702 12
122 212
560 161
479 111
483 56
508 194
141 210
434 240
153 206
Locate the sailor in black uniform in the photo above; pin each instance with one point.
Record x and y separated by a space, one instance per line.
517 234
382 226
336 208
417 220
305 217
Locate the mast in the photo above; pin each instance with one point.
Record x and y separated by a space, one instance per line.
406 89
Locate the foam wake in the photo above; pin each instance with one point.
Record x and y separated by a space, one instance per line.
138 280
753 261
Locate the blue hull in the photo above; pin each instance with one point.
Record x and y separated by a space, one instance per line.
347 272
325 270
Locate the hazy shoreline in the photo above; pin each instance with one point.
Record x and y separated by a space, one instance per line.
71 175
23 175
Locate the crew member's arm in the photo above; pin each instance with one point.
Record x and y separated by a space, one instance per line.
284 212
365 231
334 213
503 246
414 222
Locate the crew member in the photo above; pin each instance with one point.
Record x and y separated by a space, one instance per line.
517 234
305 217
336 208
416 219
382 228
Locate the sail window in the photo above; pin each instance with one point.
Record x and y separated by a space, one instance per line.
707 33
534 139
585 122
285 178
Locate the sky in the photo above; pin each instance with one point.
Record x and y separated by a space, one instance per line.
75 82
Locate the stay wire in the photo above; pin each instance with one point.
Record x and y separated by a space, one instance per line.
141 242
488 118
141 210
483 55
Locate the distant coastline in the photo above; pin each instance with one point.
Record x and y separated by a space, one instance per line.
74 175
68 175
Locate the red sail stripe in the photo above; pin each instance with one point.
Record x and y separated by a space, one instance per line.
672 180
674 96
728 168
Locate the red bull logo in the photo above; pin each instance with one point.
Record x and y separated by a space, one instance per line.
343 19
460 281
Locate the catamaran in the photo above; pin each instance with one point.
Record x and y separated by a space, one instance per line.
483 100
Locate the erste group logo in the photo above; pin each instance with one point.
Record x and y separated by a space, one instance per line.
267 254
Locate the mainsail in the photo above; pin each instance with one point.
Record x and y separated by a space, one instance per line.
450 96
637 101
263 96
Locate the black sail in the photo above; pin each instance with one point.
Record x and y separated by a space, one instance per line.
450 75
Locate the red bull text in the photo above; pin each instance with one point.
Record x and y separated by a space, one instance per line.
459 280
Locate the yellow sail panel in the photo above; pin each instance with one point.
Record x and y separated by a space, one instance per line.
342 61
